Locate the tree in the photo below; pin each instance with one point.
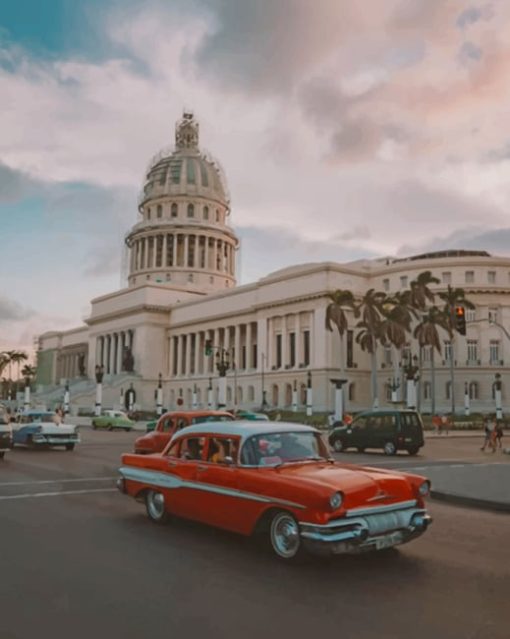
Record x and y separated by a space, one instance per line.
451 298
370 309
336 316
17 357
427 334
28 372
420 292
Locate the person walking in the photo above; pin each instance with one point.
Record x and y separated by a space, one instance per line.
487 433
499 434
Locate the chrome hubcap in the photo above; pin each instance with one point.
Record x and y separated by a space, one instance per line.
156 505
338 446
389 448
285 536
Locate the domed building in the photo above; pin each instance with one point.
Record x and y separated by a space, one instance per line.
184 239
182 313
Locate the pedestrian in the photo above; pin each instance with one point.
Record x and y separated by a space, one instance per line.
487 433
444 423
436 423
499 434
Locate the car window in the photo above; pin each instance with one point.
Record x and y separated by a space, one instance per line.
221 447
271 449
173 451
200 419
167 425
182 422
360 423
192 447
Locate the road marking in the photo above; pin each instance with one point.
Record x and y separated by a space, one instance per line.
58 494
54 481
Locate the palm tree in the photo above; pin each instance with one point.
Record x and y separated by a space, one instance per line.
336 316
4 361
420 292
370 309
17 357
28 372
427 334
452 297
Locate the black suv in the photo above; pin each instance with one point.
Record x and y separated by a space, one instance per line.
390 430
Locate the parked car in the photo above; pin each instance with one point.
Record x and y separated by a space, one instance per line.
113 420
5 431
251 416
391 430
248 477
37 428
169 423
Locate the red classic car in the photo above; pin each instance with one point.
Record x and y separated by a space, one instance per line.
170 423
252 477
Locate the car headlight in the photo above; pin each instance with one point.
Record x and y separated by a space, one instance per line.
424 488
335 501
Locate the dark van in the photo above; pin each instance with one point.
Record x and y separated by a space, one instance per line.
391 430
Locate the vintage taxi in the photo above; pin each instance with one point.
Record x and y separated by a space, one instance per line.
36 428
169 423
250 477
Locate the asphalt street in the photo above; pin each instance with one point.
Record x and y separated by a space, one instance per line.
81 560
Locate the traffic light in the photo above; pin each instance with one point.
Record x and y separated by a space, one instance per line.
460 320
208 347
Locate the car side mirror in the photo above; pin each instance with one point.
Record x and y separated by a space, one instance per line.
229 460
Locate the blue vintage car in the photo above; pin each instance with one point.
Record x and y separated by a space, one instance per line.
38 428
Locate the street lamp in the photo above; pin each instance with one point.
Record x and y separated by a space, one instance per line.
194 397
26 403
339 398
394 385
99 372
497 396
159 396
66 398
411 371
210 394
309 399
222 366
294 397
466 399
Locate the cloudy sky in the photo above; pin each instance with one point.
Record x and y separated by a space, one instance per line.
346 130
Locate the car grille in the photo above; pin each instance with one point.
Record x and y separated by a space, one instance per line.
383 522
62 436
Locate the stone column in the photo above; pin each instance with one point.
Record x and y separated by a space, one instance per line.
318 338
164 251
198 354
191 360
249 346
186 249
285 337
270 343
206 252
299 341
174 256
237 345
196 260
98 351
179 355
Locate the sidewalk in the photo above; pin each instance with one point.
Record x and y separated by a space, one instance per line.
431 434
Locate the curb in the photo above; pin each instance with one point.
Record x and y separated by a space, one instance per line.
471 502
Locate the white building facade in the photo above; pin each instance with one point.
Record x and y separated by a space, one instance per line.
181 295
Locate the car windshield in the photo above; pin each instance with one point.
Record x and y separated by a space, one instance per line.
211 418
273 449
45 418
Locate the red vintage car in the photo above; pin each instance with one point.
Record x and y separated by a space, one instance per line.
170 423
251 477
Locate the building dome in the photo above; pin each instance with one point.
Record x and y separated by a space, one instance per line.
184 239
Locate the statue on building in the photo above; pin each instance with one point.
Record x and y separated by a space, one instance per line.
128 361
81 365
186 132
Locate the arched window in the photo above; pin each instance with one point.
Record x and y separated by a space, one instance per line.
288 394
352 392
174 210
190 277
473 390
206 212
160 211
191 210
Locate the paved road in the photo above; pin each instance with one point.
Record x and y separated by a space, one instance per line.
80 560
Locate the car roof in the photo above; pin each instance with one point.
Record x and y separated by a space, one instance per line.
243 428
197 413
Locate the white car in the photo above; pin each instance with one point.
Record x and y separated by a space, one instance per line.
5 432
37 428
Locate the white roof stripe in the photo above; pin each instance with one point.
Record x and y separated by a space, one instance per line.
243 428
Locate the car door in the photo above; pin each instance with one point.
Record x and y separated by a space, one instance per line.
181 494
163 432
357 432
218 483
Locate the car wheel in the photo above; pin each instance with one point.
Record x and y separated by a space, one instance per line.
155 505
413 450
389 448
338 445
110 427
127 430
69 446
361 449
284 536
2 454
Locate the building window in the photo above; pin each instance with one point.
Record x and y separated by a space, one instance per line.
470 314
427 390
448 390
403 281
491 277
473 390
159 211
470 277
306 348
217 215
149 213
191 210
494 351
447 350
350 349
206 212
446 278
352 392
292 349
493 315
386 285
174 210
472 350
426 353
148 277
279 350
387 355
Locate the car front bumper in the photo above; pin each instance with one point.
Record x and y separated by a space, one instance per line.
49 440
368 529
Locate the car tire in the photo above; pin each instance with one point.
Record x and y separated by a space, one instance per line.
413 450
361 449
338 446
155 506
284 537
2 454
127 430
69 446
390 448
